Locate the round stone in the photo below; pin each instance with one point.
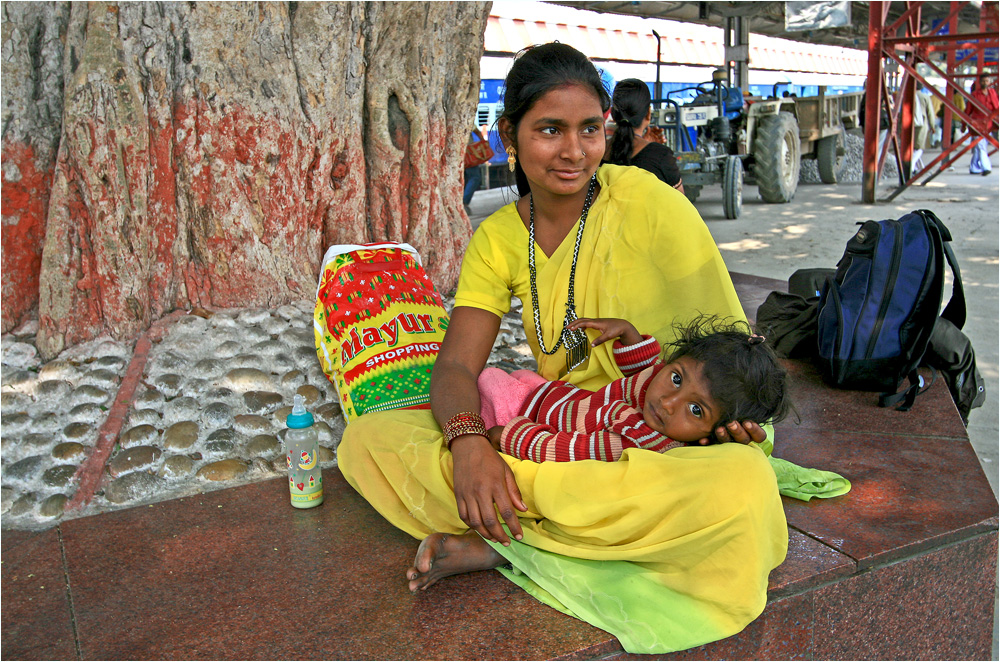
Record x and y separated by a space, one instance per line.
281 362
307 306
220 394
53 506
180 409
222 321
133 486
268 347
19 379
309 393
324 433
169 384
298 335
279 464
11 401
37 440
208 368
25 470
69 451
46 422
293 379
326 455
254 334
217 415
20 355
328 411
133 459
23 505
305 356
111 348
169 361
7 495
191 324
100 378
180 436
281 413
251 424
223 434
253 316
247 379
288 312
140 435
219 448
57 369
53 388
143 417
88 412
227 349
76 431
197 385
223 470
274 325
248 361
150 399
90 393
14 423
262 466
113 363
262 402
59 476
263 445
177 466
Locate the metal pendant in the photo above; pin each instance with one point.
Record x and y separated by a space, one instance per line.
575 343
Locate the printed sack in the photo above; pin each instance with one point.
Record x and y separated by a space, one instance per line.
379 323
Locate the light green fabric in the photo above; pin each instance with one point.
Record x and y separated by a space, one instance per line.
803 483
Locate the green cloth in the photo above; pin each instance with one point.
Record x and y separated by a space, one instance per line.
804 484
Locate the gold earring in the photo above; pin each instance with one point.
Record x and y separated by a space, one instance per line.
511 157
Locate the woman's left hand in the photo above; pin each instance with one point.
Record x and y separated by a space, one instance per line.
740 434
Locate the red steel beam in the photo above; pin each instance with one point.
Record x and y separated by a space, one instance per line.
873 99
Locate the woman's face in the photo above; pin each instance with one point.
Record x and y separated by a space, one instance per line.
560 140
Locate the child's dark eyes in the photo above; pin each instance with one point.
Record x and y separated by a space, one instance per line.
695 409
675 379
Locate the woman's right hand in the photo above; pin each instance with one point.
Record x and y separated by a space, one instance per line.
484 484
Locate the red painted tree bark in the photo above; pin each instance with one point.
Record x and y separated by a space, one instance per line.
205 154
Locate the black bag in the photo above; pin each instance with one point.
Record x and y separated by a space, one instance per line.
950 351
876 315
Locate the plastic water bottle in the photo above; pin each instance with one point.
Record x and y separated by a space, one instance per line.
305 479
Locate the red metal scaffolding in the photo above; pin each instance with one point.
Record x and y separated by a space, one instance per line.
902 42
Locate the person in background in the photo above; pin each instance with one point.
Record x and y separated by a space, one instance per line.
631 112
473 174
985 92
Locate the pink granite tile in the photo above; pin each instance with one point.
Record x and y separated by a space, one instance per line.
36 618
809 563
937 606
907 493
238 573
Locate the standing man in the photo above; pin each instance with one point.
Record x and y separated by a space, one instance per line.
985 92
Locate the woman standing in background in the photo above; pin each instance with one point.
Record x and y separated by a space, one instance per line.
631 111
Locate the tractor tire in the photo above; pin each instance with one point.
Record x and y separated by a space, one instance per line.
777 151
830 158
732 188
692 193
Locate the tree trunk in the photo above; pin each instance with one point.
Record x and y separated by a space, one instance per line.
209 152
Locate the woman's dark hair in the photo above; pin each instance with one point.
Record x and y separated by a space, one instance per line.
535 71
629 105
743 372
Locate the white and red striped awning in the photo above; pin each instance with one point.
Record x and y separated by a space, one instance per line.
690 44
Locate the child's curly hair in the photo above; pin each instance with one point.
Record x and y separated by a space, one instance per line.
743 372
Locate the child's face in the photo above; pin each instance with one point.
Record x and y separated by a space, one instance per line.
678 402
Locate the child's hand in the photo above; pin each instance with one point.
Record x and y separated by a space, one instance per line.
609 328
494 434
738 433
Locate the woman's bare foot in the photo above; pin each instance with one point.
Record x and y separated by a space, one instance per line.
442 555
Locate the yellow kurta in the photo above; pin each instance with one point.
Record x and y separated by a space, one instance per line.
664 551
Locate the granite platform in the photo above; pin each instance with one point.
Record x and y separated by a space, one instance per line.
902 567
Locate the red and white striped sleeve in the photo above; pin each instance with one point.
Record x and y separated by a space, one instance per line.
635 358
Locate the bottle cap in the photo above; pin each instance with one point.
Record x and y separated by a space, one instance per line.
299 418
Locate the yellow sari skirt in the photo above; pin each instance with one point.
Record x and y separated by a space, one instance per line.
664 551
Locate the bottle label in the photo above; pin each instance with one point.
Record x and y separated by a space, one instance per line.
306 498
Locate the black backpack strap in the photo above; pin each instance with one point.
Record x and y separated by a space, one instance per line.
908 396
955 311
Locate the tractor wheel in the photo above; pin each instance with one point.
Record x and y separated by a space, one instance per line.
732 187
830 158
776 152
692 192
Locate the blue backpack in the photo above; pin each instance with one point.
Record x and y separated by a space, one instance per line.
876 315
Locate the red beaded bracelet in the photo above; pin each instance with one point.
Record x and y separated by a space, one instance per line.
462 423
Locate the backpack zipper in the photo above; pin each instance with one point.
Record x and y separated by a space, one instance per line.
897 250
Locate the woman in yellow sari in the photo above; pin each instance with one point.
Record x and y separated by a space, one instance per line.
665 551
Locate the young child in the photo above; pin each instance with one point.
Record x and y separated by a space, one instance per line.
714 373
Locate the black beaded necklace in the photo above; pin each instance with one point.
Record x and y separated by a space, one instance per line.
577 347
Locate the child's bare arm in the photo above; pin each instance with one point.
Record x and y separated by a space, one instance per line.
609 328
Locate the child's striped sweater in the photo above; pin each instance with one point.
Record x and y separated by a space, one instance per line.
560 422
